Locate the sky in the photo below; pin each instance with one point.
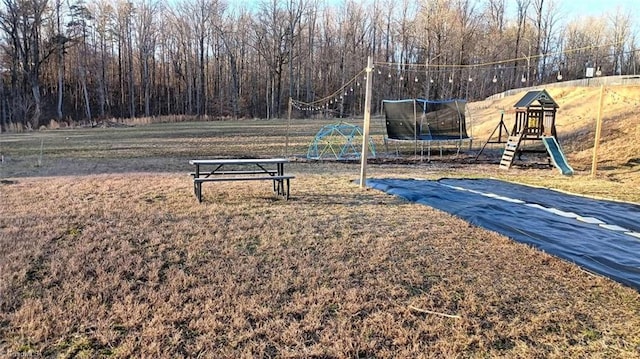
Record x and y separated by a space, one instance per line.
570 9
576 8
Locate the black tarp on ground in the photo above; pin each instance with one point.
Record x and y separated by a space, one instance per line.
601 236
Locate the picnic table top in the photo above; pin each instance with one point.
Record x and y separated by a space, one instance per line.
238 161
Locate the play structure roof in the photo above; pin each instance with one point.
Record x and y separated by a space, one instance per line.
541 96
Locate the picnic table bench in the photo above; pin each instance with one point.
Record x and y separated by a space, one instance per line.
241 169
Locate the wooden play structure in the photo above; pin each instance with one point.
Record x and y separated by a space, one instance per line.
535 121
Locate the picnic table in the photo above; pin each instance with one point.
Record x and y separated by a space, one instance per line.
241 169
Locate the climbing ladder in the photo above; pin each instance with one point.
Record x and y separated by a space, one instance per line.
513 142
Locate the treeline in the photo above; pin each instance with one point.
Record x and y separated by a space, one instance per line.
81 61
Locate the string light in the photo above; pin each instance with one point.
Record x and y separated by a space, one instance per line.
333 97
529 58
348 87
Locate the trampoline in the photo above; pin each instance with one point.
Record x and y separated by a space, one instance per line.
427 122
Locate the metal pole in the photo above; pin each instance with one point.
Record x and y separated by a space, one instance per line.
529 65
365 129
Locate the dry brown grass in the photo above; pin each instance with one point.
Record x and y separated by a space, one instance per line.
104 252
121 265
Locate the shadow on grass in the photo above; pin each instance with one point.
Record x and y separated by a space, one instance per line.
82 167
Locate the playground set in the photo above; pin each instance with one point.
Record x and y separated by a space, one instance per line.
338 141
535 121
427 123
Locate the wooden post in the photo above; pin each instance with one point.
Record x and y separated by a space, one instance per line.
286 144
596 143
415 130
365 127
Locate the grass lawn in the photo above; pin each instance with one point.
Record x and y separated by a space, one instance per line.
105 252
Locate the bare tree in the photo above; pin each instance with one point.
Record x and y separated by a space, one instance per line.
521 10
619 32
78 29
547 24
147 31
275 36
583 44
148 57
22 22
103 14
61 41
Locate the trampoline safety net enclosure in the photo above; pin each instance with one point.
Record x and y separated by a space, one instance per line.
425 120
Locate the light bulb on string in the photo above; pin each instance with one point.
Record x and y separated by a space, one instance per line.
416 79
523 79
495 79
431 80
470 79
